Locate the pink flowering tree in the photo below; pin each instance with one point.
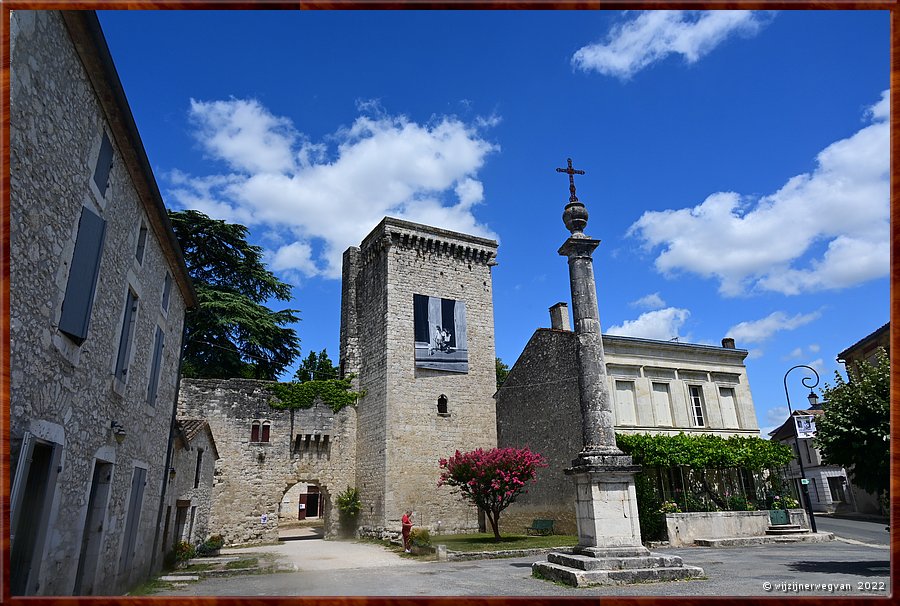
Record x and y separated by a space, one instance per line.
491 479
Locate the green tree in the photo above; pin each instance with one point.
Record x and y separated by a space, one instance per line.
316 367
502 371
231 332
854 432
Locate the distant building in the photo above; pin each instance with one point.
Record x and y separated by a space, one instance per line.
98 292
656 387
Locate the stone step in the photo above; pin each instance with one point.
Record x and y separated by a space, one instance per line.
582 562
584 578
781 531
809 537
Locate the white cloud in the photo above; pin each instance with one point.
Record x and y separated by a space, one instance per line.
758 331
817 364
318 198
753 354
796 353
774 418
744 245
814 348
662 324
654 35
651 301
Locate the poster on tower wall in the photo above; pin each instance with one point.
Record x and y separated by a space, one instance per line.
440 333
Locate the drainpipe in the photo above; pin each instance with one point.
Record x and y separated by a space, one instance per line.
165 473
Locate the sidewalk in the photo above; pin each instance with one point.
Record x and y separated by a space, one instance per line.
859 517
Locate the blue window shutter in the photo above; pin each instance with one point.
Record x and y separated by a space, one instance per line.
104 165
83 273
154 370
125 340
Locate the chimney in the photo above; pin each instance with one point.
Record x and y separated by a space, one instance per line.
559 317
728 343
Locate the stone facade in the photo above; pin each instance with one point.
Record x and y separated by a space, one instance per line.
91 411
189 495
402 432
649 382
257 467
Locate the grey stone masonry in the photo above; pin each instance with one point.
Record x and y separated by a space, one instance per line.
402 433
257 467
91 398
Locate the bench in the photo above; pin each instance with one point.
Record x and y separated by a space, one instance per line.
540 527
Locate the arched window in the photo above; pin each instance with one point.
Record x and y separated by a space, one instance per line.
265 432
254 432
442 405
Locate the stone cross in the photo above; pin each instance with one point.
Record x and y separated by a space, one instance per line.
571 172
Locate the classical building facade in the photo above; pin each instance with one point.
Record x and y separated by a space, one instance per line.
655 387
417 331
98 292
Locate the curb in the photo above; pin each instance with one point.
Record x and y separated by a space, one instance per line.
460 556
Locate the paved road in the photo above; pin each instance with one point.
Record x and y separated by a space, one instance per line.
855 530
736 571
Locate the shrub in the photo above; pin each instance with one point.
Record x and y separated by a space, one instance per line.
211 545
419 537
669 507
348 504
739 502
184 551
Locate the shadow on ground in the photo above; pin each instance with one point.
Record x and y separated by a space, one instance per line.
875 568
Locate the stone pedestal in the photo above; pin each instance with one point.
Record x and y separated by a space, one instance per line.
613 566
606 505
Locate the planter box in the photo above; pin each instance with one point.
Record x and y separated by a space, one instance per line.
685 528
416 550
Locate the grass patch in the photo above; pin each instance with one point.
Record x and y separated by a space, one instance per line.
245 563
150 587
197 568
485 541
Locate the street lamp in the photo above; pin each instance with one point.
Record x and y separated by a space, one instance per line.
813 401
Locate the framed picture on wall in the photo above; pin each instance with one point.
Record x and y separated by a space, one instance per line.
440 333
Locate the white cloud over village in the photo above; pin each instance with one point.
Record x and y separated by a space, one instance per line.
758 331
654 35
317 198
842 204
651 301
662 324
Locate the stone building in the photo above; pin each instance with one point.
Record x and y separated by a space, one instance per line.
264 453
417 330
98 291
655 387
189 495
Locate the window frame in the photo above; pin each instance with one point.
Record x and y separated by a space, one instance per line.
696 405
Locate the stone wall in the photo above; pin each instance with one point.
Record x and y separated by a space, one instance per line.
314 445
402 436
64 393
538 406
685 528
181 489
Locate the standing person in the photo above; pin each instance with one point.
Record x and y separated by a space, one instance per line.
407 526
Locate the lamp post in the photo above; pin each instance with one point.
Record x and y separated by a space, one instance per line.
813 399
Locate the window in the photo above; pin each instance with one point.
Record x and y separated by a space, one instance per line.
625 413
254 432
79 297
265 432
729 407
697 404
104 165
662 404
153 387
141 243
836 487
128 321
167 290
135 503
197 471
259 432
442 405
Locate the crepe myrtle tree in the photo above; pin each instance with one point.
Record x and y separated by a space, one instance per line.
491 479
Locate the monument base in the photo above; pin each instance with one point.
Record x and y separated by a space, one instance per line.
611 566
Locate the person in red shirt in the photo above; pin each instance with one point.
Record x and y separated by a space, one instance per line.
406 520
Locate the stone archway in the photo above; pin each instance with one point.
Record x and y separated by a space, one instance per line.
304 503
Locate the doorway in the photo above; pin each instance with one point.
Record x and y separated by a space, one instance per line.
92 536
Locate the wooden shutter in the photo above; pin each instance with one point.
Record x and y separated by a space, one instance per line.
158 345
254 432
125 340
167 291
104 164
265 432
135 504
85 267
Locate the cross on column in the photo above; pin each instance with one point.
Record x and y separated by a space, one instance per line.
571 172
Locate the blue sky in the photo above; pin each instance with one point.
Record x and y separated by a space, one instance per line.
737 162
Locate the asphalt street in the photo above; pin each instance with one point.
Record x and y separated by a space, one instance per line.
834 568
854 530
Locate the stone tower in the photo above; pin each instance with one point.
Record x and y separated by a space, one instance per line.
417 330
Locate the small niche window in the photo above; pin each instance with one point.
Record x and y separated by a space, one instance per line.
104 165
141 243
259 431
254 432
442 406
199 466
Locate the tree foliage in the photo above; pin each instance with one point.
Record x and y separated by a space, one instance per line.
502 371
316 367
854 432
231 332
704 451
491 479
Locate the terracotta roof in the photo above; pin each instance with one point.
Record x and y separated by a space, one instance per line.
190 428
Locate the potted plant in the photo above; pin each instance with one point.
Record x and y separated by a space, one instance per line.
420 541
184 551
211 546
